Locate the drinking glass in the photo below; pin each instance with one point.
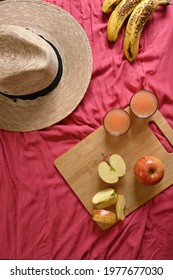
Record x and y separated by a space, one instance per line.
143 104
116 122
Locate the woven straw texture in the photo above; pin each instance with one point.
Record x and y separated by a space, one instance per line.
60 28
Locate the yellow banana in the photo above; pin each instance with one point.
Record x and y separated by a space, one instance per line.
135 25
118 16
109 5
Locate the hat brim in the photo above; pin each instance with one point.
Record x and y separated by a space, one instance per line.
67 35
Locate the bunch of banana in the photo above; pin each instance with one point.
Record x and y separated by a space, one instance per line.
135 25
138 11
118 16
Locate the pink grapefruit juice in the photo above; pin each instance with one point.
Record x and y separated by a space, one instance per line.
143 104
116 122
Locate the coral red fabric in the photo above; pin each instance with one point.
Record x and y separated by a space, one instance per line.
40 217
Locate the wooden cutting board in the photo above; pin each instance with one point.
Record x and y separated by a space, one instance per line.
79 165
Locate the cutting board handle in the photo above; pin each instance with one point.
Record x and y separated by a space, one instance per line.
163 125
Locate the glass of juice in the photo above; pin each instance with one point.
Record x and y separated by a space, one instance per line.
116 122
143 104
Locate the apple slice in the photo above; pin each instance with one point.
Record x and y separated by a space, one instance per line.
105 198
107 173
120 207
104 216
118 164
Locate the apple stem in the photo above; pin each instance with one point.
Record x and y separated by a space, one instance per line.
151 171
104 157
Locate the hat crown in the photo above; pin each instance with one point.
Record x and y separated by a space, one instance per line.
28 63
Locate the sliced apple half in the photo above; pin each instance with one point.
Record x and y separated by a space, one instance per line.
105 198
104 216
107 173
111 168
118 164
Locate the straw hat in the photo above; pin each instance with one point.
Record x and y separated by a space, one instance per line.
45 64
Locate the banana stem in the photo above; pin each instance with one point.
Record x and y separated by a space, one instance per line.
164 2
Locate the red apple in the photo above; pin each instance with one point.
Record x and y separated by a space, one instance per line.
149 170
